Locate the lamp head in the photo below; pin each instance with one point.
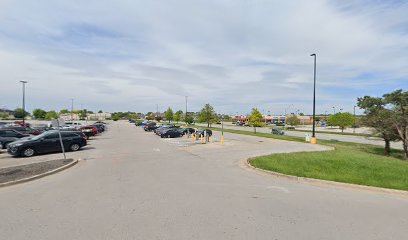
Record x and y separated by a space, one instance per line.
314 54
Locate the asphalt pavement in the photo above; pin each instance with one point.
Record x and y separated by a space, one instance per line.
134 185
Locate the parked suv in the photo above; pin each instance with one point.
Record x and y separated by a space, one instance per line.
47 142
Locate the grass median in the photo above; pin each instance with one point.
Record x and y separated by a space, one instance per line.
355 163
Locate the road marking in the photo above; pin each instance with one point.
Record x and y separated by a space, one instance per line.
156 149
278 188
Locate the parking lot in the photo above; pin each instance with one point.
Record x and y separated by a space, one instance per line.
132 184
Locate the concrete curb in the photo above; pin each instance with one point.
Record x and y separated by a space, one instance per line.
327 183
39 175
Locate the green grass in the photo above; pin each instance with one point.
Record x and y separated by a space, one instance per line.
355 163
329 132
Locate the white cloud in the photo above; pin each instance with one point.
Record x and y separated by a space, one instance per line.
130 55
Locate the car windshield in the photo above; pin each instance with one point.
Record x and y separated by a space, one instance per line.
39 136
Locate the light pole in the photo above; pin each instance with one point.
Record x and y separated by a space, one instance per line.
291 105
334 110
185 116
24 82
354 114
72 109
313 140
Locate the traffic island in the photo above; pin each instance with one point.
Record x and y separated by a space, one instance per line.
28 172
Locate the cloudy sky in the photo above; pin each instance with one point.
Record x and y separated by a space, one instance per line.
234 54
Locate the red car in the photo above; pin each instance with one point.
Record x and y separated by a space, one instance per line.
26 125
89 131
26 130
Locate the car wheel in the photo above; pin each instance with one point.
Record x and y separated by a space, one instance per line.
75 147
28 152
168 136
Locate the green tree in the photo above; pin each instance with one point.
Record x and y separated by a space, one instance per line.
168 114
380 119
342 120
115 117
158 118
3 115
64 111
293 120
188 119
100 111
39 113
255 119
207 115
83 114
178 115
51 115
398 101
150 116
20 113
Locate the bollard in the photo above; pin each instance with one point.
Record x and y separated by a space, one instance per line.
222 139
313 140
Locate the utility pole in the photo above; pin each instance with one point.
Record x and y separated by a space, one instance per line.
185 115
24 82
72 109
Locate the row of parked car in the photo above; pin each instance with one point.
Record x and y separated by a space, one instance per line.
20 142
171 130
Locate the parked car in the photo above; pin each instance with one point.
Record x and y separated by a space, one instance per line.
200 132
25 130
12 133
20 123
162 128
72 124
89 131
100 127
4 141
150 126
187 130
170 133
277 131
47 142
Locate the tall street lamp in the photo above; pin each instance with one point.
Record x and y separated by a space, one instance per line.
72 109
313 140
185 116
23 83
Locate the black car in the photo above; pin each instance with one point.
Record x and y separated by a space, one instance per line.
200 132
47 142
150 126
12 133
4 141
170 133
162 128
187 130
